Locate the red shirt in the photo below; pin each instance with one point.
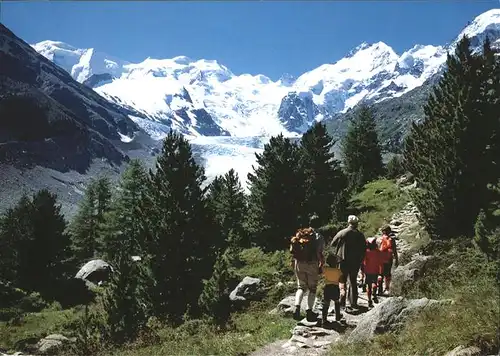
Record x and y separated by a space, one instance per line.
373 261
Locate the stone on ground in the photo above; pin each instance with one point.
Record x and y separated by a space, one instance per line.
390 315
248 289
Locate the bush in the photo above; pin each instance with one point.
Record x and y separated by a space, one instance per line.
270 267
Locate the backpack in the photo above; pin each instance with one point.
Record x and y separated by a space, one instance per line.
303 245
387 244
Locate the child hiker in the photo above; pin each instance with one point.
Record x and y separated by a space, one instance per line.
334 286
372 265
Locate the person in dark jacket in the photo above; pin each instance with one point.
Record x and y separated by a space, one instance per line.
350 246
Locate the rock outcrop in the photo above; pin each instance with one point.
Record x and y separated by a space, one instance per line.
390 315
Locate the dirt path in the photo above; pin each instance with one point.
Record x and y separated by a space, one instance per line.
314 340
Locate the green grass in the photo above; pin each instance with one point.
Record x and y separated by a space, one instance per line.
250 330
34 326
473 318
376 204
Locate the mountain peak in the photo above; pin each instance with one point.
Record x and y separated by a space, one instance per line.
372 47
486 24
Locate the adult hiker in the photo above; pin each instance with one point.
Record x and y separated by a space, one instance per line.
349 244
389 250
307 260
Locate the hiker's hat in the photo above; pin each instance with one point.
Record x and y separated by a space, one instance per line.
352 219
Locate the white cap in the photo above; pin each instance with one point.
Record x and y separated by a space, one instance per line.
352 219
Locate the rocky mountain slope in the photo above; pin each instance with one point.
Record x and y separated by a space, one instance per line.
51 123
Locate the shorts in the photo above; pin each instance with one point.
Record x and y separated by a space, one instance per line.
371 279
386 270
331 292
307 274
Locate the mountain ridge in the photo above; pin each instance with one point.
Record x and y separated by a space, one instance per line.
253 105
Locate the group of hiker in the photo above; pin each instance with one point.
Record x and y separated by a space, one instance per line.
348 256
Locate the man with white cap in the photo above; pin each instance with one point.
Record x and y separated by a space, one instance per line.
350 246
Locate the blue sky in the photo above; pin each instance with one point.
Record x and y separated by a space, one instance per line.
268 38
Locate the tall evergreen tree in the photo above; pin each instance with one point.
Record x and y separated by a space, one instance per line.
361 152
39 248
449 153
126 225
182 230
228 203
126 235
86 227
324 179
15 237
276 201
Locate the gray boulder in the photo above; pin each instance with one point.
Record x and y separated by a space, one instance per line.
248 289
52 344
403 277
95 271
390 315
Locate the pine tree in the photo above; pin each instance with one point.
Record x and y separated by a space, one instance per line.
126 225
125 299
214 300
182 248
39 249
228 203
324 180
361 152
50 249
86 227
449 152
276 201
15 238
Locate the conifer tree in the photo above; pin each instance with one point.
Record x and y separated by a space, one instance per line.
324 179
182 249
276 201
228 203
126 301
38 252
50 249
86 227
214 300
449 153
126 225
15 237
361 150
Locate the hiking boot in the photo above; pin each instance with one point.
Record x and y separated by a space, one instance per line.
311 316
296 313
370 304
375 299
338 317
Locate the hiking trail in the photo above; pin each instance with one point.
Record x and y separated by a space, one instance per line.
308 339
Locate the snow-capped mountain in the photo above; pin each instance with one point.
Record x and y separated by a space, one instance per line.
204 98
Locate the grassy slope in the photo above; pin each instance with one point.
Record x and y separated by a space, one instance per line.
376 204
